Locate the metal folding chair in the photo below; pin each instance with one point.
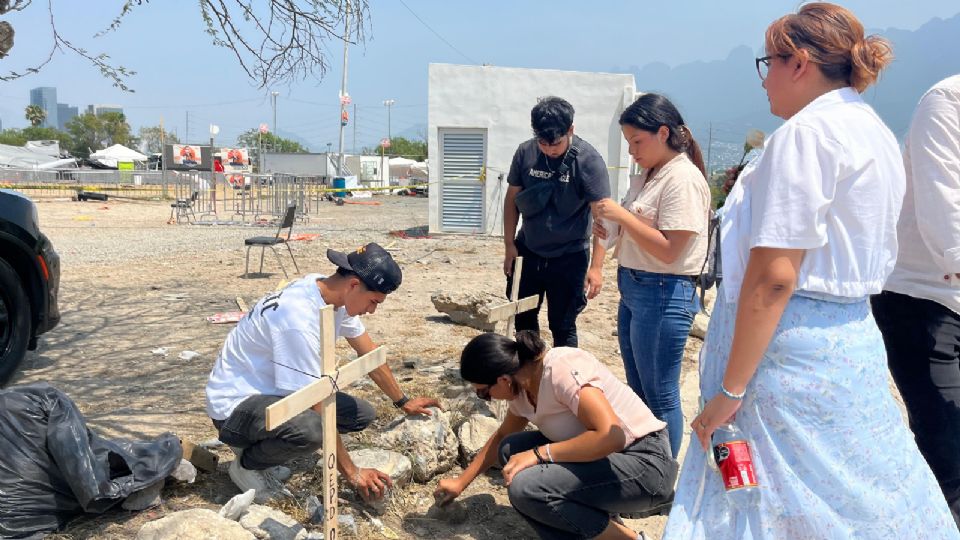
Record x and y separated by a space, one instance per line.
271 242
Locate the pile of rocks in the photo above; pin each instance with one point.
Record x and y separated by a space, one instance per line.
410 449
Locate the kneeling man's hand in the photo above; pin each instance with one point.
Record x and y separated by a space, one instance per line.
371 483
420 405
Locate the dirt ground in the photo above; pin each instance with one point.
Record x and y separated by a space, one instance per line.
131 283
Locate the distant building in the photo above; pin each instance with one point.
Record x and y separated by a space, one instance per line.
45 97
479 114
65 113
100 109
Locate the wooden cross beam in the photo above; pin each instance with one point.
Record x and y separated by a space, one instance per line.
514 307
323 391
509 311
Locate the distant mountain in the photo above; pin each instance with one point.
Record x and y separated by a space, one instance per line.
727 93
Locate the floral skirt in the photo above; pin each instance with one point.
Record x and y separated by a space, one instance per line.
832 453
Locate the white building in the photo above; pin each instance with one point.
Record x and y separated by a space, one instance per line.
478 115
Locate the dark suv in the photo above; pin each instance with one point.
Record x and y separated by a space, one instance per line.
29 281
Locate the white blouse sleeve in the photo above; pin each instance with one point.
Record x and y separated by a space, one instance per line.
795 184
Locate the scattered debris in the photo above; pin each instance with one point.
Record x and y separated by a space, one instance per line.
470 309
413 233
201 458
225 318
304 237
160 351
266 522
188 355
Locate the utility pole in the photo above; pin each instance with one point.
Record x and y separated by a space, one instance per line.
388 103
354 128
273 98
343 85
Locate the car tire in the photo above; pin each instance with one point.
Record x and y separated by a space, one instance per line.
14 322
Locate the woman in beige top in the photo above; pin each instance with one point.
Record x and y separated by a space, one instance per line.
599 451
660 234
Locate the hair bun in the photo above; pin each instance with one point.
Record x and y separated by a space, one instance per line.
868 57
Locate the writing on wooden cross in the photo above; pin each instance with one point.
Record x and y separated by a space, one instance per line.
509 311
324 391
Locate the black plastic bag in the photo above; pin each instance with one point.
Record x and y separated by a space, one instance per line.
52 468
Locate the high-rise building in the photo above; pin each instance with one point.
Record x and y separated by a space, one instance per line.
45 97
100 109
65 113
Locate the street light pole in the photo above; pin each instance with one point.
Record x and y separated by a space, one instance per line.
273 98
343 86
388 103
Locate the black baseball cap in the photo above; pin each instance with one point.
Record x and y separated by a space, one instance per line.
373 264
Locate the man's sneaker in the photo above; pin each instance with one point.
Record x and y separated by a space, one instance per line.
265 485
281 473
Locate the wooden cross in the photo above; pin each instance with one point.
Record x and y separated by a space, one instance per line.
324 391
509 311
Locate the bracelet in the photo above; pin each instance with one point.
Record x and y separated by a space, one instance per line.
540 460
731 395
401 402
549 453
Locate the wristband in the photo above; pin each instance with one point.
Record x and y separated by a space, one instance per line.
731 395
540 460
549 453
401 402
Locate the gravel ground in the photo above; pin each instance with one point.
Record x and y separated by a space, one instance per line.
131 283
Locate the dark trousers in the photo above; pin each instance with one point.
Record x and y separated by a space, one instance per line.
302 435
922 339
576 500
560 279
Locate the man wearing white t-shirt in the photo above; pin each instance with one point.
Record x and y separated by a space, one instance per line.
918 311
274 351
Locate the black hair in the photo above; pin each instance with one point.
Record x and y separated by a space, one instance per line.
488 356
650 111
551 118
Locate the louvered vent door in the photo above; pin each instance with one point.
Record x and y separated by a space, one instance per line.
462 153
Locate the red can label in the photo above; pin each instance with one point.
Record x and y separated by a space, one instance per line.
735 464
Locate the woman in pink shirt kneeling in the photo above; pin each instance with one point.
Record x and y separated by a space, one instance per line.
598 453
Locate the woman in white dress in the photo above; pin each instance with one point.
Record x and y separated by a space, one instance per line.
792 352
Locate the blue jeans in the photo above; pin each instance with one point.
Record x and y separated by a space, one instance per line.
653 321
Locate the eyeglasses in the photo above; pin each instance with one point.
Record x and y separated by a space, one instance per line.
763 64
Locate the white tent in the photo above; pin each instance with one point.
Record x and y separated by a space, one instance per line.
420 170
400 167
110 156
20 157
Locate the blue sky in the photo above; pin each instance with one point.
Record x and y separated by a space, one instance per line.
179 70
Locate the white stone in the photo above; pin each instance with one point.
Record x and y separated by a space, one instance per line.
236 506
185 472
268 523
428 441
194 524
396 465
470 309
475 431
